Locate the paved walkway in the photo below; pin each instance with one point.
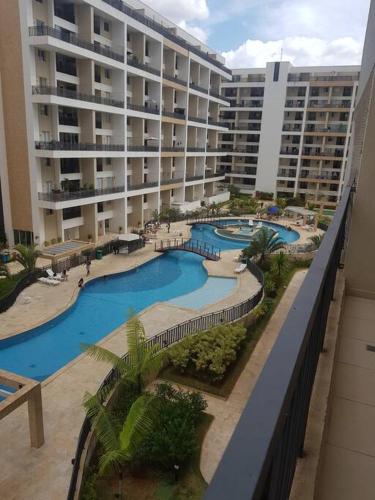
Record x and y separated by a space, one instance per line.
44 474
227 412
348 458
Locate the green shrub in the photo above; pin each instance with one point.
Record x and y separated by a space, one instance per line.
270 288
210 353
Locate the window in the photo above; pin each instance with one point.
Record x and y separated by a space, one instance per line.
23 237
42 55
39 1
146 88
176 63
107 74
276 71
42 82
147 48
97 25
128 37
43 110
145 198
106 26
49 211
146 127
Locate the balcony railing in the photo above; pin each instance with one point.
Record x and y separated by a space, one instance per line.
247 104
216 123
330 128
72 94
144 185
174 79
144 109
164 182
193 149
197 119
152 149
345 104
172 149
294 104
194 178
68 146
165 31
198 87
133 61
76 195
74 40
269 436
289 151
217 174
215 93
174 114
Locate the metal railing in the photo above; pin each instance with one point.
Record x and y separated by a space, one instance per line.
216 123
172 149
76 195
194 178
164 182
165 339
144 185
144 109
133 61
72 94
198 87
197 119
174 79
174 114
269 436
199 247
165 31
68 37
216 94
151 149
191 149
70 146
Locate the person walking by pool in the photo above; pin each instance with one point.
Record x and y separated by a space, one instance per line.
88 265
168 226
64 275
80 283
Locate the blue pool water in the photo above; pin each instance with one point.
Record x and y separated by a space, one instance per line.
102 306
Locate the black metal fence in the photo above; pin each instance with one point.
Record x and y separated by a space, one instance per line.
165 339
7 301
260 459
190 245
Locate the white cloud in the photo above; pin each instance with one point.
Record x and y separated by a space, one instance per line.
195 31
299 50
180 10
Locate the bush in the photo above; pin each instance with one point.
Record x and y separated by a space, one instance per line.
270 288
264 195
210 353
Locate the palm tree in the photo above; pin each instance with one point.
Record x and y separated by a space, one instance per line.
280 261
27 256
119 440
317 239
264 243
142 359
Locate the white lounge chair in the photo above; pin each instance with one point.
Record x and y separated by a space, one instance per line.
52 276
48 281
241 268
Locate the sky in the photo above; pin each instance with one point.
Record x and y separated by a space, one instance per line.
249 33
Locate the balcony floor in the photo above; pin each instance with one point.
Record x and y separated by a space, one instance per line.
348 460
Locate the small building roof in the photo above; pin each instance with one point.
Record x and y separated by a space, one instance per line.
300 211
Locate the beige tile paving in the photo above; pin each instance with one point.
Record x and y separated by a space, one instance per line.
348 460
44 474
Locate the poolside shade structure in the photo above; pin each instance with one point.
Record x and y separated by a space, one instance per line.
274 210
308 216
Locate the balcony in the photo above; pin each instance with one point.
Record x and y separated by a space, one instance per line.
144 109
137 149
289 151
247 104
345 104
174 79
294 104
194 178
71 94
342 129
74 40
197 119
198 87
193 149
175 114
68 146
172 149
216 93
133 61
144 185
56 196
213 176
216 123
165 182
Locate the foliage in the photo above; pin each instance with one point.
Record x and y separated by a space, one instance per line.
281 203
317 239
295 202
243 204
170 215
270 287
264 195
143 360
279 268
209 353
172 439
263 243
27 256
89 486
4 271
262 309
3 237
233 190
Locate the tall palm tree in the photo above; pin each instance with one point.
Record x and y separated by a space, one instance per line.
142 359
263 243
27 256
280 261
119 439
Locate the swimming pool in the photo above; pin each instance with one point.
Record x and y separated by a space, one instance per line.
103 305
208 234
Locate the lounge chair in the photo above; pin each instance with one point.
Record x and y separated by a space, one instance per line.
241 268
48 281
52 276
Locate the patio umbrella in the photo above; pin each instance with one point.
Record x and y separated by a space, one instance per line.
273 210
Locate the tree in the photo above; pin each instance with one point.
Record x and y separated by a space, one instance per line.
27 256
263 243
120 440
233 190
280 261
317 239
142 361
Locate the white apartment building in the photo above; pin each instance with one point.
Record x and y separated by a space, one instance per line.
289 130
108 112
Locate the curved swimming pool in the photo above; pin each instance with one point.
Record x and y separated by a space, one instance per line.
103 305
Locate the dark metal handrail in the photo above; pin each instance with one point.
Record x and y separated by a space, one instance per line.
190 149
197 119
69 146
174 114
144 109
143 148
171 181
218 124
217 174
194 178
76 195
213 93
174 79
170 149
72 94
44 30
165 339
198 87
199 247
144 185
165 31
270 433
133 61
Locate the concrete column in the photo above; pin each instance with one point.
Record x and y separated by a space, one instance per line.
35 410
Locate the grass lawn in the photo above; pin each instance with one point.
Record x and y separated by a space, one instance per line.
225 386
8 284
150 485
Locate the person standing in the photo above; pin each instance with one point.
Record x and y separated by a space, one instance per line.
88 265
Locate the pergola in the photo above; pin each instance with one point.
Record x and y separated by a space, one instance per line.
65 249
308 216
17 390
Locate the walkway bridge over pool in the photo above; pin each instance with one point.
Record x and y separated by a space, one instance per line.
194 246
212 221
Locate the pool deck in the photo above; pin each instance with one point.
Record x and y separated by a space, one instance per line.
44 473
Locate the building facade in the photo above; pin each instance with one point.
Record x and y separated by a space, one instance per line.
108 113
289 130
